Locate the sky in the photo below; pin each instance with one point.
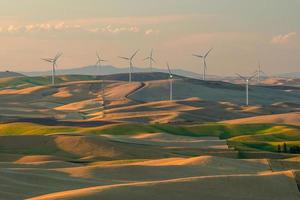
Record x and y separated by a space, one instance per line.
241 33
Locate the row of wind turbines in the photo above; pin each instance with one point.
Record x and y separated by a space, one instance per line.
151 60
99 62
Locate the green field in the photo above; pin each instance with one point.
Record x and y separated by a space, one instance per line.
241 137
25 82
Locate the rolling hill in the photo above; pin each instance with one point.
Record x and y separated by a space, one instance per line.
292 118
68 142
217 91
7 74
78 97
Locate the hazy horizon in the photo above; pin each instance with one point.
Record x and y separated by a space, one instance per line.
241 33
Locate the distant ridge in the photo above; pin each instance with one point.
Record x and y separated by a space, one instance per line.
111 70
290 75
28 81
10 74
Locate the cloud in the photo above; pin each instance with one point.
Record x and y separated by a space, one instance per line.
63 26
151 31
28 28
112 25
283 39
111 29
38 27
12 28
146 20
115 30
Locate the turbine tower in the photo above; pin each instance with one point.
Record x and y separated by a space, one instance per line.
130 59
54 65
151 60
247 80
100 67
170 81
204 62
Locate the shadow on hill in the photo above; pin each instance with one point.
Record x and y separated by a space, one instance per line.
140 77
54 122
74 147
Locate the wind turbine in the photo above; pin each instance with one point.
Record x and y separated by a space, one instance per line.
259 72
204 62
151 60
98 63
171 82
54 65
130 59
247 80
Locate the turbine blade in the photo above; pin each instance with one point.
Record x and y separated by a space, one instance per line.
146 58
254 75
170 73
47 60
242 77
153 60
57 57
124 58
208 53
197 56
98 56
255 72
134 54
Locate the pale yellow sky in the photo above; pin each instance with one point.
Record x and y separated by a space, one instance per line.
241 33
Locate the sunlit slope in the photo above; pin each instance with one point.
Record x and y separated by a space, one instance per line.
72 100
282 81
135 160
79 98
216 91
59 142
240 136
123 141
292 118
41 101
214 176
188 110
175 111
24 81
211 188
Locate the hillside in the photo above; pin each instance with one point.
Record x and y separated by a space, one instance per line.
282 81
24 82
145 100
217 91
97 162
68 142
292 118
7 74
